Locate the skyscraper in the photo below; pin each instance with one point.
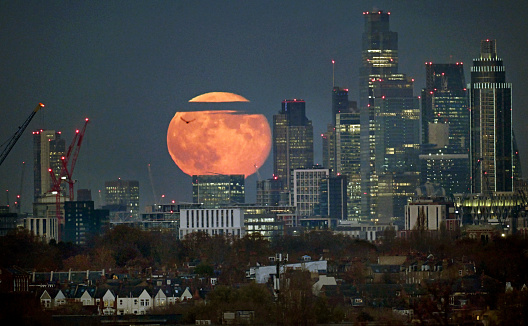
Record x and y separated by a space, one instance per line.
348 158
445 128
390 120
491 134
292 140
48 148
214 191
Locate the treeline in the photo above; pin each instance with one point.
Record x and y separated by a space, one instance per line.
124 248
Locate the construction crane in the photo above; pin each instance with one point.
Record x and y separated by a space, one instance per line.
18 202
18 133
155 197
68 165
73 152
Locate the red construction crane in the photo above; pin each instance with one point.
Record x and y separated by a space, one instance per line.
73 152
68 165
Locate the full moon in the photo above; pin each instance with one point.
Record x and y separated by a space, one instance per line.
218 142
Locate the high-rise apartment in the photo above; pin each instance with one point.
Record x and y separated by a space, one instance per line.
48 148
491 134
445 128
306 189
292 140
214 191
122 198
390 120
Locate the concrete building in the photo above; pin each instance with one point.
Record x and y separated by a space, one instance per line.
217 221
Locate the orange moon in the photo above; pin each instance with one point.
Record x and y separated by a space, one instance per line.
218 142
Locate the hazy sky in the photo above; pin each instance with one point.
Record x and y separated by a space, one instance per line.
129 66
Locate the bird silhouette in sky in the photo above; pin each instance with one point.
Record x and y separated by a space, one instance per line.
187 121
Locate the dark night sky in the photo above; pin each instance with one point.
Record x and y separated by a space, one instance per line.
130 65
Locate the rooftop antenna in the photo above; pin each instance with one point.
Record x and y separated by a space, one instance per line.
333 74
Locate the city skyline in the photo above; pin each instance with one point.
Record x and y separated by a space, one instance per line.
129 76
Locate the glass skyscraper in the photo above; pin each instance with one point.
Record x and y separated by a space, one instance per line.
491 134
214 191
292 141
390 123
445 128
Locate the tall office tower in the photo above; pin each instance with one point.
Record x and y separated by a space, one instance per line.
125 195
292 140
329 148
214 191
348 159
444 102
390 120
491 135
305 191
268 192
445 128
48 148
339 102
333 197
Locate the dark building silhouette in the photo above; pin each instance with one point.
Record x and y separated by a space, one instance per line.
292 140
491 136
333 197
83 222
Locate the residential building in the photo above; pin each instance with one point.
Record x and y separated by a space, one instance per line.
292 140
214 191
491 135
83 221
306 189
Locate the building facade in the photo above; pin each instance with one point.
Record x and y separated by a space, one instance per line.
224 221
214 191
390 119
333 197
445 128
48 148
491 136
82 221
306 189
123 194
292 140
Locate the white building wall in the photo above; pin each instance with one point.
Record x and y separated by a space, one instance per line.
434 215
306 189
229 221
